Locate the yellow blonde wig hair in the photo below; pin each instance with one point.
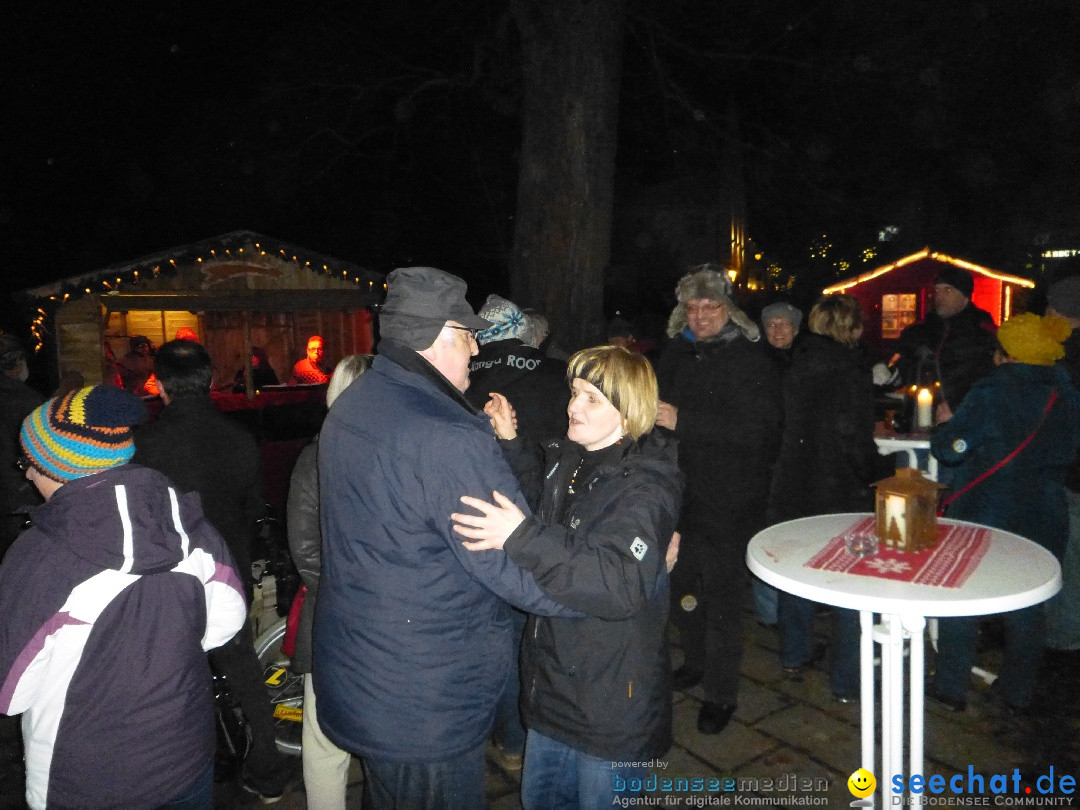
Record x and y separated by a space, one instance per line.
626 378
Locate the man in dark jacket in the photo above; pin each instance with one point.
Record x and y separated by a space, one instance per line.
720 395
955 344
17 400
536 387
412 631
203 451
534 383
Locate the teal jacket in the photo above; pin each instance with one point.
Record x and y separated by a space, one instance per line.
1027 495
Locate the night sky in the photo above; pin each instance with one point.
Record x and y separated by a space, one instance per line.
387 136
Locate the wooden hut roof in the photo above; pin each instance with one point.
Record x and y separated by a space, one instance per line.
927 253
243 246
232 272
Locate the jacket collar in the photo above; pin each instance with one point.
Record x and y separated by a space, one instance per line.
412 361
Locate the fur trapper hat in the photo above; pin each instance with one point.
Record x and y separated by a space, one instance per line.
709 282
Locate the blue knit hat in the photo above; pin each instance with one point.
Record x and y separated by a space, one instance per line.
83 432
507 320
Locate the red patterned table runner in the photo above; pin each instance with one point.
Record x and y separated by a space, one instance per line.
948 564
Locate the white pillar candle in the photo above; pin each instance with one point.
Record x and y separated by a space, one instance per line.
924 412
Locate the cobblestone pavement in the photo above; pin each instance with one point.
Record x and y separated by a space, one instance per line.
783 731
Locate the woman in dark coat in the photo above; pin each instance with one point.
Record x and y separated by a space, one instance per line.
1025 496
597 690
827 462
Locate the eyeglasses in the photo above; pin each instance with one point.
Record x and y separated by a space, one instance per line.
472 332
23 463
702 309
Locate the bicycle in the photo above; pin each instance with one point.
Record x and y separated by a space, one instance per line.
286 689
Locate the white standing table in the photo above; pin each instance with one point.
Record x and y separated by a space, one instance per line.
889 441
1014 573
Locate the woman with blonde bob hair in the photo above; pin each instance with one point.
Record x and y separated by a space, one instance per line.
598 696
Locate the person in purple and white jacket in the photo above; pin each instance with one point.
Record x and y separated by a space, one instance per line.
107 606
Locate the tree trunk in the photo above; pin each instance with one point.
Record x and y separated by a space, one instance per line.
572 62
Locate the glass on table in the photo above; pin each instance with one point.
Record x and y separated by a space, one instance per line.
860 544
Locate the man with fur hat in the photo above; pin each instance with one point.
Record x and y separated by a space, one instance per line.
412 631
720 395
107 606
956 340
17 400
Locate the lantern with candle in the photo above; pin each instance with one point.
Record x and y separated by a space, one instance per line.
925 393
907 511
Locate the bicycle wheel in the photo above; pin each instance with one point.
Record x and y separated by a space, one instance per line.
285 686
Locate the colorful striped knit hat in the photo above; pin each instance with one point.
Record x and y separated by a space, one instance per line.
82 433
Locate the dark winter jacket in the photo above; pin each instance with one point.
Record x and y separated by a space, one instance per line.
107 605
203 451
534 383
961 347
17 400
1027 495
600 683
1071 363
828 458
728 394
412 631
305 545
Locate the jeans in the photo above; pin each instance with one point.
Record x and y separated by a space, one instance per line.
958 643
708 591
509 732
796 620
558 777
453 784
201 795
236 660
766 599
326 767
1063 611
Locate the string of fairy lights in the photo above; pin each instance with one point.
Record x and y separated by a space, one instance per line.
46 308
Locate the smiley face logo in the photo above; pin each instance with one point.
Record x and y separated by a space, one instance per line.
861 783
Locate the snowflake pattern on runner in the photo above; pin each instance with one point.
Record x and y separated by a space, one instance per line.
888 566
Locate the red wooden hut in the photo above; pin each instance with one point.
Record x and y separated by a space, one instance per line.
899 294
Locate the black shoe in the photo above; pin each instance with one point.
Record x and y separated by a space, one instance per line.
266 796
684 678
944 701
714 717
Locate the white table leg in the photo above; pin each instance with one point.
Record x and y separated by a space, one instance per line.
915 626
891 637
866 688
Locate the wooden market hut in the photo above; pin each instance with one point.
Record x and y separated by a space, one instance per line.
896 295
235 291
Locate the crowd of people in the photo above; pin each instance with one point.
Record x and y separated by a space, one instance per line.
493 540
